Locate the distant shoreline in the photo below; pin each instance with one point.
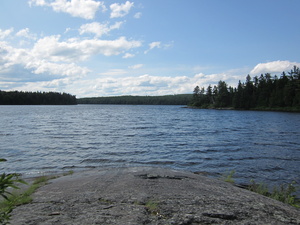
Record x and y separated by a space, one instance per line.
288 109
180 99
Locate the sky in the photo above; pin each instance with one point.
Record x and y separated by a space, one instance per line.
92 48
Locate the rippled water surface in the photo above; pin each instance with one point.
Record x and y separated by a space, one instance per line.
42 139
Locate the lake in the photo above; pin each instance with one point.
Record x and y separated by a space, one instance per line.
264 146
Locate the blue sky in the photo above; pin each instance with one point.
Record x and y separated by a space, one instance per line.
145 47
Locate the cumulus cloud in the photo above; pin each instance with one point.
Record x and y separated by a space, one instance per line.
138 85
273 67
51 48
85 9
98 29
37 64
26 34
120 10
138 15
114 72
57 85
5 33
50 55
137 66
128 55
152 45
37 3
54 59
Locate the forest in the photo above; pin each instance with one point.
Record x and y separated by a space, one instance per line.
265 92
182 99
36 98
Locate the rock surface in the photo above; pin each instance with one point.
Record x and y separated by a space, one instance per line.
142 195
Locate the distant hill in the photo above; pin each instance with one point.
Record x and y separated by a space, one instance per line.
181 99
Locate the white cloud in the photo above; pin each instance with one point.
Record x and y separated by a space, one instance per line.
273 67
5 33
57 85
37 3
73 50
140 85
138 15
137 66
26 34
77 8
128 55
37 64
152 45
51 58
67 69
98 29
85 9
114 72
120 10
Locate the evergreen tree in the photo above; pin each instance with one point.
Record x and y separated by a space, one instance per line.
264 92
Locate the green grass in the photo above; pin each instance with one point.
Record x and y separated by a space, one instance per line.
20 197
152 207
283 193
228 176
16 198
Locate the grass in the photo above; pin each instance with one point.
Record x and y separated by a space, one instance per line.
18 197
283 193
152 207
228 176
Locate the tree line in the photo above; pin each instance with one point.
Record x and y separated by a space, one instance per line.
181 99
265 92
36 98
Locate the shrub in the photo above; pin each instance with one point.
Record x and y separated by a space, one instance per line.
7 181
283 193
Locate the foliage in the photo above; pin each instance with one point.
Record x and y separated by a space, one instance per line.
263 93
182 99
16 198
36 98
228 176
7 181
259 188
152 207
283 193
25 197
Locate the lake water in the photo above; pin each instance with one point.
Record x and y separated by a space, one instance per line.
264 146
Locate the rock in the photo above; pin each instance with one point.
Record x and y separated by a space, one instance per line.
143 195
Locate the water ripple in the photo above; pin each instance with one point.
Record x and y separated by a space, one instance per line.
41 139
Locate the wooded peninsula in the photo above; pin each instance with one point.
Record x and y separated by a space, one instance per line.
262 93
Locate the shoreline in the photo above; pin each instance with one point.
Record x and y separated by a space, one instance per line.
289 110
